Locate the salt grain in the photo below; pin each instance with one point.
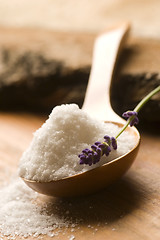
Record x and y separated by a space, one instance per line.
53 152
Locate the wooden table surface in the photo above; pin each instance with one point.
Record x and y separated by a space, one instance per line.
128 210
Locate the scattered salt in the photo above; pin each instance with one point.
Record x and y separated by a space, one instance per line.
23 214
53 152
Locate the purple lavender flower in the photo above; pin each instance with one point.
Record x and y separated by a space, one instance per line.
131 114
114 143
98 149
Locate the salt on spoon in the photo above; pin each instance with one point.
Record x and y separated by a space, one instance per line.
53 152
106 50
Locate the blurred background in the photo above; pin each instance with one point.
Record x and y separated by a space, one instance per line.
82 15
46 51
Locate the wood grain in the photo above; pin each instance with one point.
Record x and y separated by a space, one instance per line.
129 209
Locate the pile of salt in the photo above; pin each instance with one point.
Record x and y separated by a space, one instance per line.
53 152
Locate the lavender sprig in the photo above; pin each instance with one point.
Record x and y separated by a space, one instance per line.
133 115
98 149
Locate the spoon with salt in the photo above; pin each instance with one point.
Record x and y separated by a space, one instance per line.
106 50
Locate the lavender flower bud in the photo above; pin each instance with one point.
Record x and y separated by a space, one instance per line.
98 150
97 143
94 147
114 143
107 139
132 114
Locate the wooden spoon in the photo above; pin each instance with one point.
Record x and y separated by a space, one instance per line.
97 104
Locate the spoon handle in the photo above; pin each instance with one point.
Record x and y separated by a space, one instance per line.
106 50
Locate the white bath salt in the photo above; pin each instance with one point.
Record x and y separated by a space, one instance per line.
21 214
53 152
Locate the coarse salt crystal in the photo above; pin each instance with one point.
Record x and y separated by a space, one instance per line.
72 237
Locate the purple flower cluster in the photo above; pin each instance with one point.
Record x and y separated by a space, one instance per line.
98 149
133 115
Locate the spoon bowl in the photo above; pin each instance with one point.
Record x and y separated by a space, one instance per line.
97 104
93 180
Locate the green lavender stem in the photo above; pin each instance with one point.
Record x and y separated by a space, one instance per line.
138 107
